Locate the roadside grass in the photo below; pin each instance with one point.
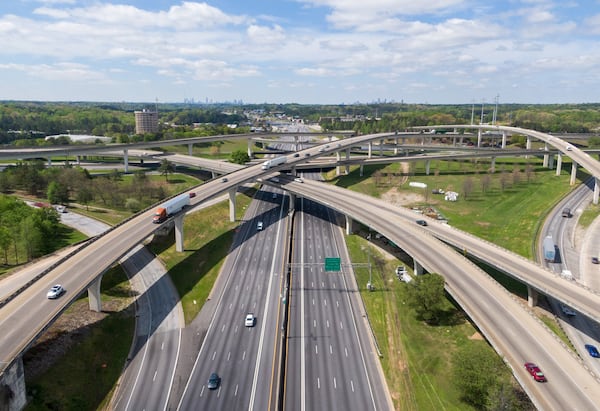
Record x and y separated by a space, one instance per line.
507 210
220 150
92 363
589 215
208 235
415 356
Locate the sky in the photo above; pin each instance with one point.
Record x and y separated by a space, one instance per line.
301 51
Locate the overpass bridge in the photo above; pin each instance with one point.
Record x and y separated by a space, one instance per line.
26 315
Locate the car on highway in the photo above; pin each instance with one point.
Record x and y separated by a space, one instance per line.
592 350
595 260
422 222
224 179
321 150
274 195
298 180
249 320
569 148
535 372
259 226
55 292
192 194
296 155
213 381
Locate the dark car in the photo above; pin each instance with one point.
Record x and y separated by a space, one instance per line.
296 155
592 350
213 381
595 260
422 222
535 372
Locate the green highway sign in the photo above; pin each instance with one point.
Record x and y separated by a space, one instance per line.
332 264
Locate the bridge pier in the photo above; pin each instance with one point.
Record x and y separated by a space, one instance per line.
493 165
179 232
295 143
381 148
250 153
13 396
596 191
126 160
370 153
292 201
532 297
349 225
338 168
347 166
478 138
427 165
417 268
546 156
551 161
504 139
231 194
49 162
396 146
95 300
190 148
361 168
573 173
558 164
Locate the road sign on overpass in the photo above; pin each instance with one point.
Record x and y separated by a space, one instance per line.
332 264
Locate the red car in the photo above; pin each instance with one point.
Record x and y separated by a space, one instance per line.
535 371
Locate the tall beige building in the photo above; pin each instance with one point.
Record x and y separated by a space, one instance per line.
146 121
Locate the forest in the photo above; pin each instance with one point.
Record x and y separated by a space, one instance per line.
27 123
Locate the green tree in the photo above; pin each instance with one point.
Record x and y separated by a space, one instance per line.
85 196
133 205
239 157
57 193
5 242
166 168
427 297
474 367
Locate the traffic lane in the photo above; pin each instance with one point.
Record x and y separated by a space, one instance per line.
408 237
233 349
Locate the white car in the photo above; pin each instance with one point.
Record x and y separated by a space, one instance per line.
55 292
259 226
250 320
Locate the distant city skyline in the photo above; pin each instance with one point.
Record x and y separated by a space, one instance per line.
301 51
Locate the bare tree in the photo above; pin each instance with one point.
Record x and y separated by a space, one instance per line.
486 181
467 187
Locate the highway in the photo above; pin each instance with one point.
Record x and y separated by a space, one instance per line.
516 334
331 360
31 307
243 356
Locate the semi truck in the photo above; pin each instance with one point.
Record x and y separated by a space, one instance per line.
273 162
548 247
171 207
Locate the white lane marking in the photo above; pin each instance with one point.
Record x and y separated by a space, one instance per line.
334 383
330 349
154 376
214 355
352 385
317 349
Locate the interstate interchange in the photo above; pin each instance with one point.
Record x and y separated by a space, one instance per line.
509 327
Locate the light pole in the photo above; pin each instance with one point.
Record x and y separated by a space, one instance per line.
370 283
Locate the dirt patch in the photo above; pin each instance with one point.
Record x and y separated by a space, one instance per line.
401 198
476 336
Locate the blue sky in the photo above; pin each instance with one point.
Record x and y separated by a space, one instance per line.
301 51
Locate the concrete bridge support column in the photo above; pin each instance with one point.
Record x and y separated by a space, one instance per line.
528 143
362 168
213 175
190 149
479 138
292 201
338 157
78 159
573 173
532 297
453 141
179 232
381 148
126 160
558 164
370 154
347 167
551 161
396 146
546 156
13 396
349 225
49 162
493 165
295 143
418 268
95 301
427 165
596 191
232 204
504 139
250 153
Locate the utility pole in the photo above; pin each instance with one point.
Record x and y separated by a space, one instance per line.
481 121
